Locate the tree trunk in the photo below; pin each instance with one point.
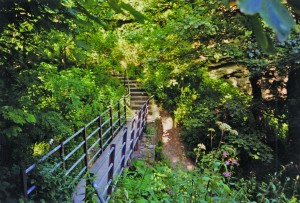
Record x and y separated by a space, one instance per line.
257 111
293 92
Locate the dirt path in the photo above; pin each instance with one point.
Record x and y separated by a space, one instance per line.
173 148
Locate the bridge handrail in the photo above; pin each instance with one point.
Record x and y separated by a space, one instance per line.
119 115
138 125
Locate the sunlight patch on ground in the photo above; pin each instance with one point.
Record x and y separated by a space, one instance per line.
165 138
168 124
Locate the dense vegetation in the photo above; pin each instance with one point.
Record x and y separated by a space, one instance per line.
57 58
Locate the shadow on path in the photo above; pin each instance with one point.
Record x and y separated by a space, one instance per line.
173 148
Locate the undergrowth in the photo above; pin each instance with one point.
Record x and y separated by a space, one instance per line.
214 179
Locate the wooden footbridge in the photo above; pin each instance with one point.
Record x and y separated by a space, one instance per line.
102 148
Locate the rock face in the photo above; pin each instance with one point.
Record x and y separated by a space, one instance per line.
272 83
236 73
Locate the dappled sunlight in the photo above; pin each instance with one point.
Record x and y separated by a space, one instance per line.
173 147
167 123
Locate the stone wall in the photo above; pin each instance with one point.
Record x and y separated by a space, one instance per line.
237 74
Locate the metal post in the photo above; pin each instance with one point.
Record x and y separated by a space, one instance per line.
111 121
140 123
132 135
137 134
111 163
119 114
85 149
100 133
125 116
62 153
145 116
24 183
124 147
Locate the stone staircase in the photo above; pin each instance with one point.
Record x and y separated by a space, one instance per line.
138 95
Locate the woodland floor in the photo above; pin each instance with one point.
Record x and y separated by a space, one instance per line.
173 148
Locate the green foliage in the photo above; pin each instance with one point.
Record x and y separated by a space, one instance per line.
158 151
278 124
7 189
252 145
214 179
14 119
161 184
57 56
55 77
216 100
279 189
53 185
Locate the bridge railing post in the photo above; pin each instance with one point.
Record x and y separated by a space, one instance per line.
140 126
111 164
85 149
132 132
24 183
137 131
111 121
123 155
145 114
100 133
62 153
125 103
119 114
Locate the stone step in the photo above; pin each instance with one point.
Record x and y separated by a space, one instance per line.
127 81
135 107
139 98
137 102
138 93
137 90
135 86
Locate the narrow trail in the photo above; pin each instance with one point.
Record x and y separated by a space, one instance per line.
173 148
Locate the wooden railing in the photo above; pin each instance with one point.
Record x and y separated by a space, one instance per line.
77 153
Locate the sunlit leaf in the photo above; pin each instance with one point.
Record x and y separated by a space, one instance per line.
115 6
226 188
137 15
89 15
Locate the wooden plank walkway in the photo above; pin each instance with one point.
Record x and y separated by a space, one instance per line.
99 170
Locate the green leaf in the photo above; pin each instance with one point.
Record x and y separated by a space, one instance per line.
82 44
72 12
226 188
161 175
263 40
226 3
115 6
205 178
31 118
137 15
12 131
89 15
